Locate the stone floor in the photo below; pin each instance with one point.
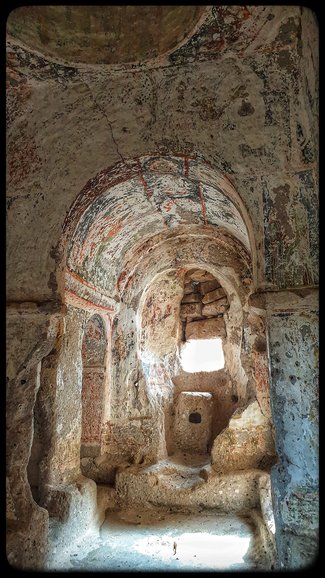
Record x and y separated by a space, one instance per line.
174 530
158 540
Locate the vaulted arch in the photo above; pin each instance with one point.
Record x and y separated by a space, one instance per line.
123 210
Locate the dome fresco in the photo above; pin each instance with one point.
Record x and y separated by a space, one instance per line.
103 34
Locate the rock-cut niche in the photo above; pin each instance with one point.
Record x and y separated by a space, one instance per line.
203 399
94 347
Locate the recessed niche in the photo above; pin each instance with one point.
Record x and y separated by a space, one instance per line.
195 417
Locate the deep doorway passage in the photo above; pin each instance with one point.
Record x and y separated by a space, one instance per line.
160 540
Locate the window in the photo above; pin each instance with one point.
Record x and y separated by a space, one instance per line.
202 355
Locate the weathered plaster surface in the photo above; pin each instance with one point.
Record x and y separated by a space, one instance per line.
293 347
64 457
246 443
131 204
94 349
291 243
125 176
30 337
102 34
126 113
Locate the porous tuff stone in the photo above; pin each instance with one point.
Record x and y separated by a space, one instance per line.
208 286
191 287
247 442
216 307
213 295
191 310
192 426
206 329
192 298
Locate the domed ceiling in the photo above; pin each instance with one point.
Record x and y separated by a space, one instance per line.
103 34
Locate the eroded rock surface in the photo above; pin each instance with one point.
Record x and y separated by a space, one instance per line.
247 442
162 188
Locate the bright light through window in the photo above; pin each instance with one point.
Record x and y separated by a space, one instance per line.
202 355
199 549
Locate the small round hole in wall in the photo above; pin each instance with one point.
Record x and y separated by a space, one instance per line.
195 417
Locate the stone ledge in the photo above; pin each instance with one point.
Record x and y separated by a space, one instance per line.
188 487
36 308
286 300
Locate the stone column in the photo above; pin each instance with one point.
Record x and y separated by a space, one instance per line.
133 433
69 497
64 456
292 324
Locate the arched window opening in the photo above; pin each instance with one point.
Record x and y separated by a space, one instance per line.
202 308
201 354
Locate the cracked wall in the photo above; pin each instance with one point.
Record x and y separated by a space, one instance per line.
293 345
205 150
142 117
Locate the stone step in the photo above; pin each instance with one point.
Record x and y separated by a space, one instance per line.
188 487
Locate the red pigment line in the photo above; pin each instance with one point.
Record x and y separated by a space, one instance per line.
229 181
80 279
183 156
120 279
180 272
83 300
113 231
186 166
203 205
246 13
145 185
83 282
252 39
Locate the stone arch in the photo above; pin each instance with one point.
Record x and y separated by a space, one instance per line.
125 206
159 338
130 225
118 222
